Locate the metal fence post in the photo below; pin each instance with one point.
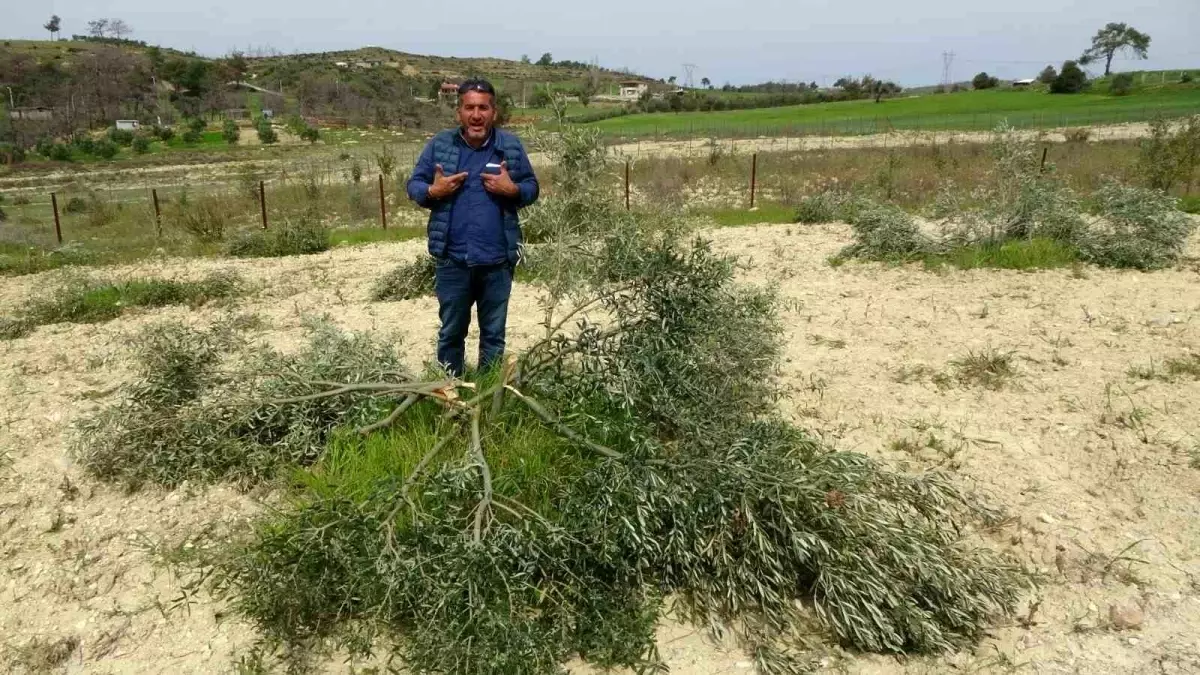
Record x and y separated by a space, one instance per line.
262 203
627 185
57 226
753 176
157 212
382 204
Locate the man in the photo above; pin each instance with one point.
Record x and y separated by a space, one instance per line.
473 179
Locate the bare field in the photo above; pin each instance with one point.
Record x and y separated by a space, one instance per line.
1098 467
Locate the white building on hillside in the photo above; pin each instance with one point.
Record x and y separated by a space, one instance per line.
631 90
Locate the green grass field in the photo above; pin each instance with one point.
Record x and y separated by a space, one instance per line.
962 110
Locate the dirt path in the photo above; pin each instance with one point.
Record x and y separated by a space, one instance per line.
1080 454
895 139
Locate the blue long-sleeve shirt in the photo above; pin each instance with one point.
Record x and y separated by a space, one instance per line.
476 231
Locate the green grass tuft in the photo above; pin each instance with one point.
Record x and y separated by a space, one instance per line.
302 238
1023 254
81 300
763 214
989 368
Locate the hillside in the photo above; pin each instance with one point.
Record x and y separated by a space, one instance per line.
504 73
67 85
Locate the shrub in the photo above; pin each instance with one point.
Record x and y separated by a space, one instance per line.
120 136
229 131
105 149
59 152
207 217
1186 77
1077 134
84 143
43 146
1137 227
823 207
984 81
1070 80
197 124
191 137
310 134
356 172
141 145
1122 84
410 280
163 134
11 153
266 134
76 205
299 238
1169 157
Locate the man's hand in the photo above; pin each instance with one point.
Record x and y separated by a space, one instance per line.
501 183
443 186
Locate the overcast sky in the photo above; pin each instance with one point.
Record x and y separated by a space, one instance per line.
756 41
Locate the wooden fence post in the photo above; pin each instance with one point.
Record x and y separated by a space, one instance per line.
1042 168
753 176
262 202
157 212
626 184
57 226
382 204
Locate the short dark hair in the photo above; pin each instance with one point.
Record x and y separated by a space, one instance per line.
476 84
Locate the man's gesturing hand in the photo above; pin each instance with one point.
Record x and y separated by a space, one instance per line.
501 183
443 186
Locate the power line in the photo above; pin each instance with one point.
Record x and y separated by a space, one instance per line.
689 70
947 68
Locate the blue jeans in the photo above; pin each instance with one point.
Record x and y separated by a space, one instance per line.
458 287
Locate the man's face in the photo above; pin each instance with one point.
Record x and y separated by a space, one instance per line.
477 114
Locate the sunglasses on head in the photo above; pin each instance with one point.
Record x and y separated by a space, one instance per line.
483 87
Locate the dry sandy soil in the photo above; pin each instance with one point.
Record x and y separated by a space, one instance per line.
1098 469
894 139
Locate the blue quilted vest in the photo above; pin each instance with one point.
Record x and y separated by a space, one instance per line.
446 152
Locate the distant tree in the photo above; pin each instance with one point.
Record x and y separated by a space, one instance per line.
266 134
587 92
984 81
98 27
1111 39
813 85
1122 84
119 29
1071 79
705 82
879 89
1047 75
525 59
229 131
235 65
546 59
671 80
53 25
541 98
